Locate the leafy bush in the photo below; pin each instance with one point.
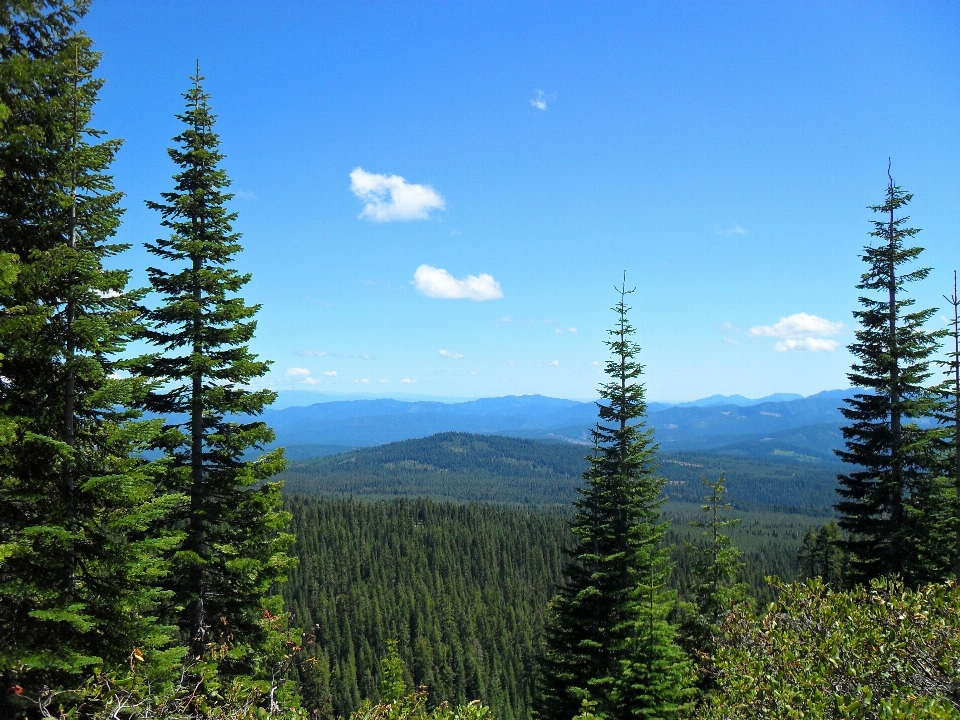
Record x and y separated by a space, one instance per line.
882 651
414 707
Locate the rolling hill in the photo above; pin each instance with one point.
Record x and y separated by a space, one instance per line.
465 467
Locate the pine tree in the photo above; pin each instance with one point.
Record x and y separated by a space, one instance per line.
892 501
951 418
716 568
821 555
232 553
78 570
609 647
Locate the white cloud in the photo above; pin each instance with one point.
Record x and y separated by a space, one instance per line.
310 381
297 372
384 380
390 197
571 330
438 283
558 331
365 381
451 355
313 353
407 381
555 363
734 229
595 362
540 99
810 344
797 326
731 341
330 373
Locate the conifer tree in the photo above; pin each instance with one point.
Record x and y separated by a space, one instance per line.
951 417
716 568
891 503
232 552
609 647
77 568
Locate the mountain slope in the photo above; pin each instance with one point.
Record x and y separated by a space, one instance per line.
465 467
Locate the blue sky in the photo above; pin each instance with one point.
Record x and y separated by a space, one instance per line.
722 154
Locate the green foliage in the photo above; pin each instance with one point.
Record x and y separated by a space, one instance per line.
232 545
883 651
821 555
717 566
893 501
950 417
607 639
394 684
415 707
462 588
78 569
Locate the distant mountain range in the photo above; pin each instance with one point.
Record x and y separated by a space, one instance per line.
808 425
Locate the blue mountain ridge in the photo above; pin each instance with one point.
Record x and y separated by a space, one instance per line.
364 423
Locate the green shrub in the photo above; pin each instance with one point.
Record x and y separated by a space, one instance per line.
882 651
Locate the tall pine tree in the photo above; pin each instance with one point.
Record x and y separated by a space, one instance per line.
609 646
232 552
891 503
716 569
78 570
951 417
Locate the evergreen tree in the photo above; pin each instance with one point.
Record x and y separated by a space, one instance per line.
716 568
821 555
891 503
78 576
232 552
609 646
951 418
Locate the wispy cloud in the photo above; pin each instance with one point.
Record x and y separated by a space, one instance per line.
329 373
730 230
313 353
555 363
389 198
811 344
384 380
407 381
310 381
297 372
452 355
798 325
801 331
540 99
438 283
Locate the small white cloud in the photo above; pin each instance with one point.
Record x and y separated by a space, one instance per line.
730 231
474 372
438 283
558 331
730 327
407 381
452 355
540 99
810 344
329 373
571 330
310 381
312 353
798 325
244 195
297 372
595 362
384 380
555 363
731 341
390 197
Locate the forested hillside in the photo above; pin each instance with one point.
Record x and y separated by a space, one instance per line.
462 587
463 467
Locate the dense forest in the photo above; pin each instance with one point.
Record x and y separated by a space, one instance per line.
463 588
